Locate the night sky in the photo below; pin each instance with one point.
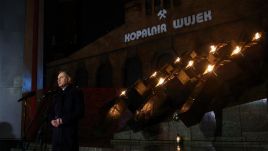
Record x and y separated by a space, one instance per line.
71 24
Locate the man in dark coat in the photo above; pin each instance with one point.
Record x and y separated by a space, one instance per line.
66 111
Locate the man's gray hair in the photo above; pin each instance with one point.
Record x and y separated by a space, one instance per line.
67 75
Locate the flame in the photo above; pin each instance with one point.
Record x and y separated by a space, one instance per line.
123 93
190 63
237 50
178 148
178 139
213 49
256 37
114 111
160 81
209 69
177 60
147 107
153 75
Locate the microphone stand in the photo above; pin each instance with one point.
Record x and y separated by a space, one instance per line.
42 125
24 99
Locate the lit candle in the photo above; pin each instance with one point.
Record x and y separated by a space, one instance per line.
178 148
212 49
209 69
178 139
160 81
123 93
190 63
237 50
256 37
177 60
153 75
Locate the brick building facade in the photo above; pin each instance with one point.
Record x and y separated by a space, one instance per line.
142 45
156 32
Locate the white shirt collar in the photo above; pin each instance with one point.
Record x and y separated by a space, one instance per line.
64 88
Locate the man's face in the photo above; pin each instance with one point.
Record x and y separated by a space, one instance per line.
63 80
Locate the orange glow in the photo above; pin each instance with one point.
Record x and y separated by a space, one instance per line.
236 51
147 107
123 93
114 111
178 139
153 75
178 148
160 81
209 69
213 49
190 63
177 60
256 37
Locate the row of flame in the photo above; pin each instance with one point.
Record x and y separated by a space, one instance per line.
114 111
210 67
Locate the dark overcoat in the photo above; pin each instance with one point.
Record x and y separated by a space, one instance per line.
68 104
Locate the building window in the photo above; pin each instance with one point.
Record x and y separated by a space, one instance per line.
157 5
148 7
176 3
166 4
81 75
132 71
105 76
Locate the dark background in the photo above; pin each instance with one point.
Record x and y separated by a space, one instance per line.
71 24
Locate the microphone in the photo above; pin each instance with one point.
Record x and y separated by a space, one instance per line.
27 95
